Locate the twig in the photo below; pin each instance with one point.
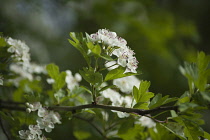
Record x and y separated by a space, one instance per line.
80 107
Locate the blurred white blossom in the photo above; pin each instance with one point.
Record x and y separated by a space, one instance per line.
50 81
1 80
117 100
71 80
126 84
19 49
147 122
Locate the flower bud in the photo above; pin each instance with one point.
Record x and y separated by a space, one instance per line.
28 110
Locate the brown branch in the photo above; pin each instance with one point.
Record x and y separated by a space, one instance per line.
142 112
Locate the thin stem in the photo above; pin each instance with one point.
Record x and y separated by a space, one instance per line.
93 94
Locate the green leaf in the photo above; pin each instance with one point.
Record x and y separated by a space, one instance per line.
118 73
127 132
80 44
190 120
89 111
81 135
206 136
186 106
141 95
106 57
176 129
2 42
86 89
135 93
107 87
158 100
95 49
91 77
160 133
192 131
141 105
53 70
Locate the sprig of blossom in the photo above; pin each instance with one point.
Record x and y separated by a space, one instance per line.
46 121
119 46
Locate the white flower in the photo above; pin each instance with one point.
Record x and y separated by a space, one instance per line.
42 112
38 69
48 120
147 122
111 65
24 134
132 64
35 130
33 133
112 95
71 80
19 69
50 81
126 84
20 50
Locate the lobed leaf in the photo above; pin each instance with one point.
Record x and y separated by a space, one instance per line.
118 73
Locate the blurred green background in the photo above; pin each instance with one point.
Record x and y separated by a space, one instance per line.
163 33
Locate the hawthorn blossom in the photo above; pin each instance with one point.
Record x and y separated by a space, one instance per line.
71 80
125 55
34 133
47 120
126 84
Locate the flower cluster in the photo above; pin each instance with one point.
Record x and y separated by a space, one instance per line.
124 54
46 121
